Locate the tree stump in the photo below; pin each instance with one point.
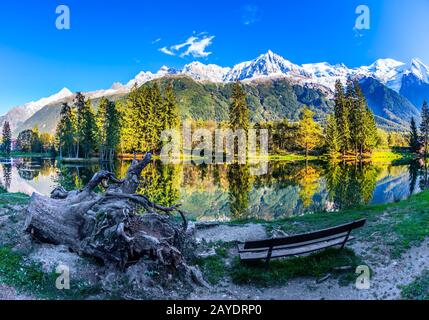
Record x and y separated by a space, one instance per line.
117 226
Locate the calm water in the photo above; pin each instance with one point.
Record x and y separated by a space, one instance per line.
230 192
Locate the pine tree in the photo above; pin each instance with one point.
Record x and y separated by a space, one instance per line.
424 127
332 137
86 129
170 118
129 122
66 131
342 117
370 132
239 110
108 128
79 103
360 123
309 132
414 139
6 138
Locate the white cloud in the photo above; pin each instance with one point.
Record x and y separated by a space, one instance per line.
195 46
167 51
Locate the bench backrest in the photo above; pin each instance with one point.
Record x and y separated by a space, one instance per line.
304 237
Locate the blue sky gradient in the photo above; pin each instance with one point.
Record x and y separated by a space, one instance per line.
112 41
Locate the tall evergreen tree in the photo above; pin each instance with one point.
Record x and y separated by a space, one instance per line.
239 110
170 117
6 138
332 137
360 121
341 110
108 127
87 129
370 132
80 104
129 122
424 127
66 131
414 139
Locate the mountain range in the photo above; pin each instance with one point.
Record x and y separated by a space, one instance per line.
276 88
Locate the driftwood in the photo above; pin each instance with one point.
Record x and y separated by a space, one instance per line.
118 226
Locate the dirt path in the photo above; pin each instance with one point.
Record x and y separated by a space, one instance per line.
9 293
388 275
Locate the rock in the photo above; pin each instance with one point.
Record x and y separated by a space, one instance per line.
208 253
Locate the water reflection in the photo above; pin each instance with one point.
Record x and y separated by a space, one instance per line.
225 192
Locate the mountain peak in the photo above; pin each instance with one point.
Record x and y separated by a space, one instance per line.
420 70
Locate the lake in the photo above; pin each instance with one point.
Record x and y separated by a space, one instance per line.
224 193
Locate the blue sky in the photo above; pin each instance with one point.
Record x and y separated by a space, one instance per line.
112 41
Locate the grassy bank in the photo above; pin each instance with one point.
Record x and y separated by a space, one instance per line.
397 226
16 154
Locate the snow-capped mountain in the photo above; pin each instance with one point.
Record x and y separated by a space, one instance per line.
266 65
270 65
408 80
201 72
21 113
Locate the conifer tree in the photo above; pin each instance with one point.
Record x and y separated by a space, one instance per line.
414 139
79 103
86 129
239 110
65 132
170 118
424 127
6 138
129 122
342 117
108 127
332 137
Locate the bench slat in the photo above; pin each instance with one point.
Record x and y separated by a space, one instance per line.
283 253
296 245
306 237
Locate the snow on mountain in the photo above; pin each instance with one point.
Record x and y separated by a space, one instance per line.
420 70
201 72
387 71
21 113
267 65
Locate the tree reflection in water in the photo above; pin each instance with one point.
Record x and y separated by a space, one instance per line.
230 191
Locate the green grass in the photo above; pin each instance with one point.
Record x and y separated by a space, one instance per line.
417 290
16 154
214 267
12 198
280 271
29 277
397 226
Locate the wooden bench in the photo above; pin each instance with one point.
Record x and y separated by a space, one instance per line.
299 244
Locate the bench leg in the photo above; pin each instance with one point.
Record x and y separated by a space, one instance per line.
345 240
267 261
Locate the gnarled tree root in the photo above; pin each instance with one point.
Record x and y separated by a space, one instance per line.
111 227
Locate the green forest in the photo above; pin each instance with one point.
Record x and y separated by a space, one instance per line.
134 125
